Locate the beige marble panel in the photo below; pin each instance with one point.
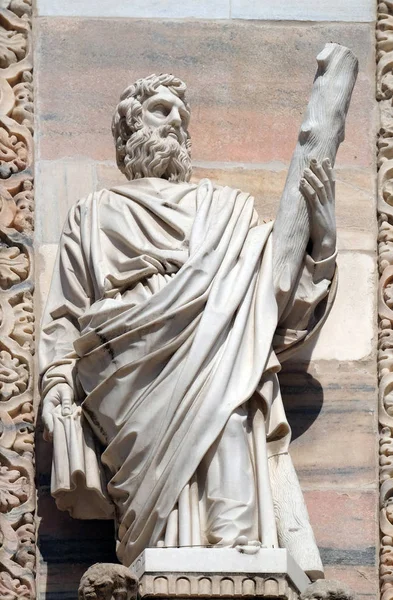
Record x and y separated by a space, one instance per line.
305 10
355 196
197 9
331 409
45 260
58 186
349 332
249 83
108 175
348 557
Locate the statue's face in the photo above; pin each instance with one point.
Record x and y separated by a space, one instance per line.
107 588
165 109
160 146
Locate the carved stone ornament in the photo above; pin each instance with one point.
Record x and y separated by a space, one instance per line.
17 492
202 573
327 589
385 293
106 581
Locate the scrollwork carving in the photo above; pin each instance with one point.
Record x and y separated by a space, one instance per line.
12 47
17 497
13 376
23 331
13 489
17 206
19 7
22 111
14 266
385 294
13 154
25 555
13 589
24 201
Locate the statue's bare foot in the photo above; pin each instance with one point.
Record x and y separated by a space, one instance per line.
245 546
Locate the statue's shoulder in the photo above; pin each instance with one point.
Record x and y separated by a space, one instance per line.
83 207
150 185
87 202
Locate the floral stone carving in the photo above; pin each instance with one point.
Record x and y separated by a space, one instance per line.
17 494
14 266
12 47
13 376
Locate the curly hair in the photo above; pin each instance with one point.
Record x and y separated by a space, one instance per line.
127 119
103 581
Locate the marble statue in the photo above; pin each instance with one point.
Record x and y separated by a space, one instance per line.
171 306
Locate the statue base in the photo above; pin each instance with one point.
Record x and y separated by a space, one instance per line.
218 573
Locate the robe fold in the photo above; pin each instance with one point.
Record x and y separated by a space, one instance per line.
162 316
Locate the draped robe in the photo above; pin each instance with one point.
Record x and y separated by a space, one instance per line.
162 317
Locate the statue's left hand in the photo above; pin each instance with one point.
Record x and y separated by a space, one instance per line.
59 395
317 187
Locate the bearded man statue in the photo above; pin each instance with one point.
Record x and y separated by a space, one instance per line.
161 344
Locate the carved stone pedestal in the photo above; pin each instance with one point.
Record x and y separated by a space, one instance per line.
218 573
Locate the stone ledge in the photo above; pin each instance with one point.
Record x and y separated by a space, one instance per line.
218 572
186 585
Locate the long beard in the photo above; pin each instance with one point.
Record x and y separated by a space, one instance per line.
151 153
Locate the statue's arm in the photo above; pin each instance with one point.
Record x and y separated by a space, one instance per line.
318 266
67 300
320 135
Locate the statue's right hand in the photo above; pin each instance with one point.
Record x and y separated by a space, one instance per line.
60 395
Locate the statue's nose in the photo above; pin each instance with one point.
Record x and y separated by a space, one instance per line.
174 117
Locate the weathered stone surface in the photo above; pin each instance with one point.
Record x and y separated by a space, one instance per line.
361 578
17 342
303 10
62 183
355 195
244 9
327 589
80 79
45 260
108 176
349 332
324 401
355 192
196 585
355 239
219 9
59 186
105 581
351 511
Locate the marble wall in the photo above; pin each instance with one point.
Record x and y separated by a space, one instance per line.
249 67
298 10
